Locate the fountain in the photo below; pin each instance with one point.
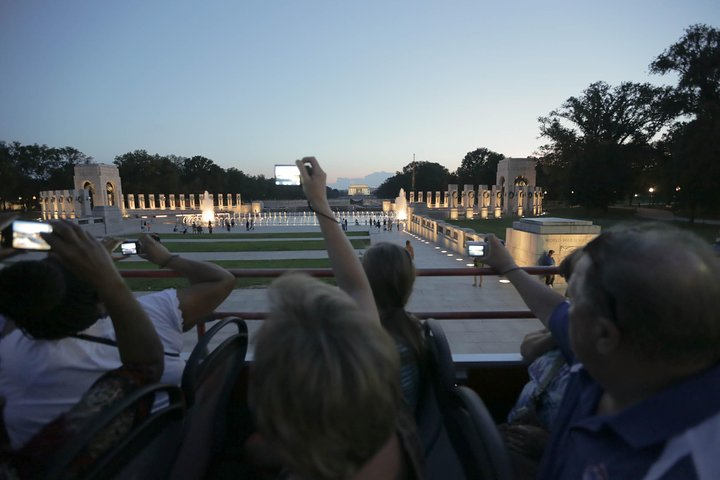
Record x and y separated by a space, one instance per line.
207 208
401 206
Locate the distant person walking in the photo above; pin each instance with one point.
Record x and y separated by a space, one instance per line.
410 249
547 260
477 279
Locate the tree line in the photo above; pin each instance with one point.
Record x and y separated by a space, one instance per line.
26 170
602 147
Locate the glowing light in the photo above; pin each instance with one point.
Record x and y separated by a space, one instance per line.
208 210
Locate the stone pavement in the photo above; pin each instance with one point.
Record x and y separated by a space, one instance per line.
431 294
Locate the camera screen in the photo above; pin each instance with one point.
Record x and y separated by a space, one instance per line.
26 235
287 175
476 249
128 248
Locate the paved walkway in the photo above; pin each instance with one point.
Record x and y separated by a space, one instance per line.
430 293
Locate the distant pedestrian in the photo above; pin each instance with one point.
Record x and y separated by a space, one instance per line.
247 225
547 260
410 249
477 279
210 227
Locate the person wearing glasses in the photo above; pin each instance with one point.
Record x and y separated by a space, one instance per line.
641 331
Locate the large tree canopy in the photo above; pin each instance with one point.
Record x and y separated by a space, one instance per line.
479 167
692 147
600 140
26 170
429 176
696 58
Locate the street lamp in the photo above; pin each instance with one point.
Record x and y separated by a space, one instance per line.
651 190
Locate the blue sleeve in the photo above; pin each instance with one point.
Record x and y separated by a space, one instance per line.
559 328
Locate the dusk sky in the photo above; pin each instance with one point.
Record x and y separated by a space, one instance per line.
362 85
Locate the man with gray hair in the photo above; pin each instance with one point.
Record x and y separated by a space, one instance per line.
641 330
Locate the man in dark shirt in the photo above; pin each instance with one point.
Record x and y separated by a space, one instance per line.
641 332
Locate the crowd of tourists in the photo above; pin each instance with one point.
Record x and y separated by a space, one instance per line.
624 377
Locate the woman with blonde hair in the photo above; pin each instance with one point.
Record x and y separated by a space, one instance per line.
325 381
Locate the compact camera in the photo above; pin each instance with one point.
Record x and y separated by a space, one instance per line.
478 249
25 235
287 175
129 248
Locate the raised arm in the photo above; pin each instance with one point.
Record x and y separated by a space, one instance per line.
87 258
346 266
539 298
210 284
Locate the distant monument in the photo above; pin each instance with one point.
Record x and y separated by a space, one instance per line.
514 193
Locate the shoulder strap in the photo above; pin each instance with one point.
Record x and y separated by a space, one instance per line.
107 341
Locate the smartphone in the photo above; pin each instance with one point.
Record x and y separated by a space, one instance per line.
129 248
478 249
287 175
25 235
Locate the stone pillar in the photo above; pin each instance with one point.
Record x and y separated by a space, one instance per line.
161 201
61 210
470 206
429 199
412 197
151 198
496 201
229 201
420 197
219 201
141 201
76 205
191 202
131 201
452 201
537 201
238 201
483 200
86 209
171 201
